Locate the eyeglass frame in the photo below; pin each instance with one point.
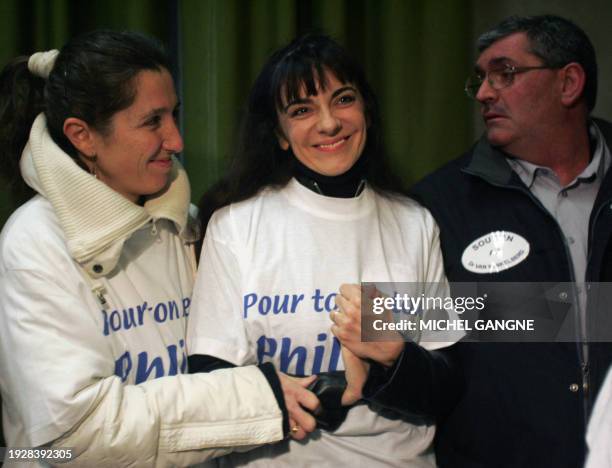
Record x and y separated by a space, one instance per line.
513 70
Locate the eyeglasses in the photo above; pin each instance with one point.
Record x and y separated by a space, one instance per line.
497 79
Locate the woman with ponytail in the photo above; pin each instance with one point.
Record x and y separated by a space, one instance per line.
96 271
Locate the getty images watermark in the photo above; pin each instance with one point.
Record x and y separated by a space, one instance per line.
488 312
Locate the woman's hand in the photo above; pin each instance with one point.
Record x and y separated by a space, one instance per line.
356 373
297 397
347 327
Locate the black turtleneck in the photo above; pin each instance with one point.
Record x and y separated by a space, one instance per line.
346 185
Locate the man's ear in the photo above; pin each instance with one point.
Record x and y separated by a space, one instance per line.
574 79
282 140
80 135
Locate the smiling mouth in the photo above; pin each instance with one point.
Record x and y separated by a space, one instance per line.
165 163
334 145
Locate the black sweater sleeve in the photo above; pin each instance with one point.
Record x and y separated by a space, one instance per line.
205 363
423 384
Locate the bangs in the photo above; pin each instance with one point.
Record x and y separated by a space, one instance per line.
295 73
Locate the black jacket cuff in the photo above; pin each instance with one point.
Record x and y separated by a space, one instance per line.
421 383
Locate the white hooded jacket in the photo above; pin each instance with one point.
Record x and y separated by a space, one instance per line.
94 297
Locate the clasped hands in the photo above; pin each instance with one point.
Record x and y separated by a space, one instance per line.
356 355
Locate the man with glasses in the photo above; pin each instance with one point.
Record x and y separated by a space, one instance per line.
540 175
540 171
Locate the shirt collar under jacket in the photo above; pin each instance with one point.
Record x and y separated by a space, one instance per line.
596 168
96 220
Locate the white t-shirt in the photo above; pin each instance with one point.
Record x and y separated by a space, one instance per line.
269 271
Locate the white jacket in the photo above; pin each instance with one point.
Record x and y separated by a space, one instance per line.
94 295
599 432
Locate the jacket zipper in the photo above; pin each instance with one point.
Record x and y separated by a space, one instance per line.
153 227
585 370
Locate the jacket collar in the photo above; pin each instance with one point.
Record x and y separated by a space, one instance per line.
95 219
490 163
605 192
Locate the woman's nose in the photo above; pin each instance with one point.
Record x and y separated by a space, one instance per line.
173 141
328 123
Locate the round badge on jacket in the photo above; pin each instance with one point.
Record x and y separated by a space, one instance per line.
494 252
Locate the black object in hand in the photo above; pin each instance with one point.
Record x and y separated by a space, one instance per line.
329 388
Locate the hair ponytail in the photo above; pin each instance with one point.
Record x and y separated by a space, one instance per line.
91 78
21 100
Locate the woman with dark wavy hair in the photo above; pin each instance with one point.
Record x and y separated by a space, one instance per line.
260 161
309 202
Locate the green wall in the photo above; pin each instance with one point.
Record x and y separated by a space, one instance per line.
416 54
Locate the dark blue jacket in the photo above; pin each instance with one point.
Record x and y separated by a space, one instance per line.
505 404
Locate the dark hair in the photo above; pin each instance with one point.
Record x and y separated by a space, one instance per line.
555 40
258 160
92 79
